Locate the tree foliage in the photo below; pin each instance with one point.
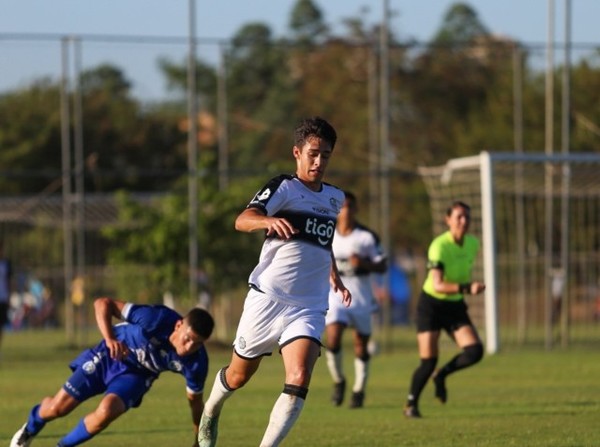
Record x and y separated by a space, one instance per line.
448 98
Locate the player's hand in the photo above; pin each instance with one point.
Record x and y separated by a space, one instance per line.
282 228
477 287
118 350
338 286
346 296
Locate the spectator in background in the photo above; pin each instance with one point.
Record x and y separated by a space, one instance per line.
358 254
450 260
5 289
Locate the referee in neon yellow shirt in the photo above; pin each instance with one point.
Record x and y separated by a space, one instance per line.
441 305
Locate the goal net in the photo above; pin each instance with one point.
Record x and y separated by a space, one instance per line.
538 218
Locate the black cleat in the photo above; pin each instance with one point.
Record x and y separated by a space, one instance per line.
357 399
441 393
337 397
411 412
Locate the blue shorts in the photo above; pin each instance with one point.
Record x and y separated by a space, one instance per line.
94 372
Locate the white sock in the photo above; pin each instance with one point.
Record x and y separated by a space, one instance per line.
218 395
334 363
283 416
361 372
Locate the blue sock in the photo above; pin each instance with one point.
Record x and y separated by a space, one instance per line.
77 436
35 423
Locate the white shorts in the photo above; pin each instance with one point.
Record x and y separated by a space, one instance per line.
358 317
266 324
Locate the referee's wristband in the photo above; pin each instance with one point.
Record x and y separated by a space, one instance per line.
465 288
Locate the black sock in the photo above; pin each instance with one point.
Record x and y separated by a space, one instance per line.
419 379
470 355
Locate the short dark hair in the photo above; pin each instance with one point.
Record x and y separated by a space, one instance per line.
457 204
200 321
350 197
314 127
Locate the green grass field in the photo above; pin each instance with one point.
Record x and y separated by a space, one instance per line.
517 398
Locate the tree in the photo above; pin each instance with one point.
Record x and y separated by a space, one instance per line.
306 23
460 26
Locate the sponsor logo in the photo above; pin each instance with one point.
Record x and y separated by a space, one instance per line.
89 367
71 388
175 365
242 343
263 195
337 205
324 231
320 210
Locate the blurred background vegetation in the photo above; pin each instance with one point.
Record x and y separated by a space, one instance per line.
450 97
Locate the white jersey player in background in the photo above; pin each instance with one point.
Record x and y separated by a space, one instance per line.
287 299
358 255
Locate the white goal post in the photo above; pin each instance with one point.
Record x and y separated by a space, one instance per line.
538 218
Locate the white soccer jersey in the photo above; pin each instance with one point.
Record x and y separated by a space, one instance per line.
297 271
364 243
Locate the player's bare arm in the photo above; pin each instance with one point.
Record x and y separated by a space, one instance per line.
442 286
337 284
253 219
196 401
105 309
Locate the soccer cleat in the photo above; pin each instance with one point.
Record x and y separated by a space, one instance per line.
412 412
441 393
357 399
337 397
22 438
208 430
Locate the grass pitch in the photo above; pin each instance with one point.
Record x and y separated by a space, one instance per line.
515 398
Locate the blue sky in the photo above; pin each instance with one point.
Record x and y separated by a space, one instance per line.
524 20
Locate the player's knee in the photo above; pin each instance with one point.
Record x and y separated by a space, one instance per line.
52 408
473 353
232 379
300 376
334 348
364 356
110 408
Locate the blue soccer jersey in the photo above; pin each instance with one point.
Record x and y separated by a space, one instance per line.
146 332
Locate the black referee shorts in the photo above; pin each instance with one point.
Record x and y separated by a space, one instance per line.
434 314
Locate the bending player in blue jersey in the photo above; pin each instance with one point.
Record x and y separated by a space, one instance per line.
287 299
123 366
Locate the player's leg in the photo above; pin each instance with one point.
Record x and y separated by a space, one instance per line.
110 408
50 408
228 379
123 391
361 366
467 339
254 339
299 358
428 353
334 332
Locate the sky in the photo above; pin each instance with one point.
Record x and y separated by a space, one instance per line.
22 60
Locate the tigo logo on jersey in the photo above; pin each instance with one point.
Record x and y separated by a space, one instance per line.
323 231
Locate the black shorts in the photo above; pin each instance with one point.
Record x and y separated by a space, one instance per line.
3 313
434 314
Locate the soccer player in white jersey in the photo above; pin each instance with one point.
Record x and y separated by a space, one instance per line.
287 298
123 366
358 254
